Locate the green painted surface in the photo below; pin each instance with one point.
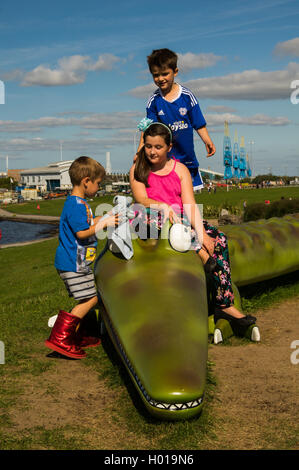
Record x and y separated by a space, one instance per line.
264 249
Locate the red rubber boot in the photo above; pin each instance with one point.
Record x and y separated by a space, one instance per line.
83 338
84 341
62 338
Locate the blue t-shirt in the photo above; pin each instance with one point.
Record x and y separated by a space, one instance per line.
182 115
73 254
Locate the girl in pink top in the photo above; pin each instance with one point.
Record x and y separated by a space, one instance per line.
163 184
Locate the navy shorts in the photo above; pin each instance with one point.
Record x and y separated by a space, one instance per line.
196 178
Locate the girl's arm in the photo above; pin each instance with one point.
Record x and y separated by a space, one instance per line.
141 143
191 209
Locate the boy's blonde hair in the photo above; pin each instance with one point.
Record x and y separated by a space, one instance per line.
84 167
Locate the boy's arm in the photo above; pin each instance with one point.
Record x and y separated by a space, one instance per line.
98 225
205 137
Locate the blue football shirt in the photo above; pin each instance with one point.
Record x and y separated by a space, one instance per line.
182 115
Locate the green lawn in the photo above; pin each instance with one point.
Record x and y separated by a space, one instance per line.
233 198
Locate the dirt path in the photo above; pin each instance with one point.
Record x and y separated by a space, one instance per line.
255 405
257 397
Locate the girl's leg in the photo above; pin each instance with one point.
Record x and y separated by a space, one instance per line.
224 293
222 277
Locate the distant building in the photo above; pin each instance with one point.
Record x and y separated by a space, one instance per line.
48 178
15 174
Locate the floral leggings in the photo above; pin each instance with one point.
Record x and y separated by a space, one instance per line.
152 221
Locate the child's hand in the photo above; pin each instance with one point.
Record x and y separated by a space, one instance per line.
208 243
169 213
211 149
111 221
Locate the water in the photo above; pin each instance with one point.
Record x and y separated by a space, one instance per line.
16 232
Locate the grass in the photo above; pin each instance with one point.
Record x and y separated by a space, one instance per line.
31 293
269 293
235 197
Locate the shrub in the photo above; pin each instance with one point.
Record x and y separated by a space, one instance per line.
279 208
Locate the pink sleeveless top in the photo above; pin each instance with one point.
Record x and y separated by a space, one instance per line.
166 188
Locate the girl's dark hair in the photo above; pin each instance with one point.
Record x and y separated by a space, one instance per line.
142 165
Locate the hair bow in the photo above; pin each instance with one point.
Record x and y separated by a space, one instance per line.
144 124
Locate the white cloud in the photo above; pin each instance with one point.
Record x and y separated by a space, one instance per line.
76 145
288 48
44 76
256 120
221 109
117 120
143 91
190 61
69 71
248 85
16 74
105 62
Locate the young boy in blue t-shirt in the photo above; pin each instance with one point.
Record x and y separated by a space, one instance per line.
177 107
75 255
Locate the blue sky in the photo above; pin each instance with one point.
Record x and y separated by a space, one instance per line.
76 77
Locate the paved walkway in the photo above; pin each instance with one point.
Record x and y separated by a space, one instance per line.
47 219
29 242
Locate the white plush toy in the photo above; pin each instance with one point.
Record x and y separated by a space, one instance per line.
180 237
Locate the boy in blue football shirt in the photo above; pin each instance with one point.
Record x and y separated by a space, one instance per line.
75 255
177 107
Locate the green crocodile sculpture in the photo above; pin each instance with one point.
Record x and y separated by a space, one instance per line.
156 308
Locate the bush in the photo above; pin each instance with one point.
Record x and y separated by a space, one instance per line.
274 209
213 212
